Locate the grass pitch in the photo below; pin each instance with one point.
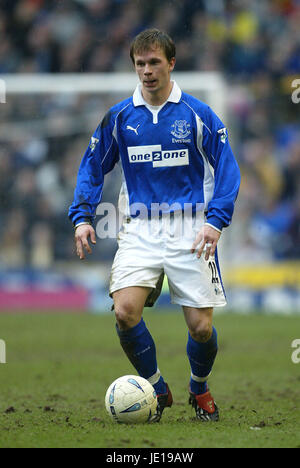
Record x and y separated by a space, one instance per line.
59 367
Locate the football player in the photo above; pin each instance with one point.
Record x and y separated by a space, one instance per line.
180 183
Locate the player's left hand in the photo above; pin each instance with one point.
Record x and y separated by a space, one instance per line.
206 241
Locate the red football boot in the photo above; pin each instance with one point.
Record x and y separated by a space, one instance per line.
205 406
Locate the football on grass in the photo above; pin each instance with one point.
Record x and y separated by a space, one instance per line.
131 399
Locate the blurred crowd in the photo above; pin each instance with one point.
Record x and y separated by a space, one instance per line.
236 36
254 44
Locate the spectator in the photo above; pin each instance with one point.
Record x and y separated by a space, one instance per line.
254 44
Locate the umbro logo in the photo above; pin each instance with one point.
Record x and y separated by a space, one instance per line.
135 130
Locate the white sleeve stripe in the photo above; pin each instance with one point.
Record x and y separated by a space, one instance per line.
209 173
197 116
107 151
200 136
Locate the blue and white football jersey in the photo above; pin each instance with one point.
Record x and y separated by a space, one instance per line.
176 155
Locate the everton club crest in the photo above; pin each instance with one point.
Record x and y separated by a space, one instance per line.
180 129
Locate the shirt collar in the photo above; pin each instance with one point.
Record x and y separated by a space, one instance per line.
138 99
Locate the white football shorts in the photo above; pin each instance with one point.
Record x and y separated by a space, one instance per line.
148 248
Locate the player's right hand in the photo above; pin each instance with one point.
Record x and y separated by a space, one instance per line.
82 235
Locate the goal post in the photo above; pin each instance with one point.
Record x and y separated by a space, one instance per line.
211 86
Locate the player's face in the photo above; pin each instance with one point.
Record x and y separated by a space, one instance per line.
153 69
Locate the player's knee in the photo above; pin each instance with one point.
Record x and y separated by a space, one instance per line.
201 331
126 315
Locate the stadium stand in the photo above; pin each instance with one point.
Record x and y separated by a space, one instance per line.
254 44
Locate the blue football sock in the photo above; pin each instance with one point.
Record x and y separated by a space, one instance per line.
160 387
202 357
139 347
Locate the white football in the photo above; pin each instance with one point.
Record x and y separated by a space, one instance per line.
131 399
